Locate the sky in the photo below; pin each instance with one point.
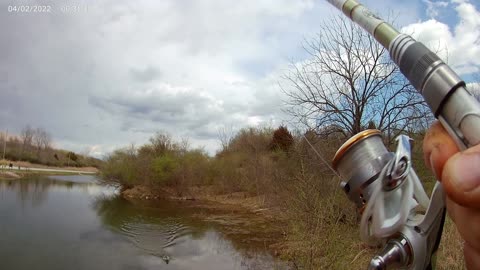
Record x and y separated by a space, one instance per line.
114 72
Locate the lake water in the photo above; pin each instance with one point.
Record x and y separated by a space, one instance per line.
71 222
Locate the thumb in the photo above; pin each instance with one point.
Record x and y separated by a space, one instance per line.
461 177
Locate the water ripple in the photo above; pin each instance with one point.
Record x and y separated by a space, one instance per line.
153 238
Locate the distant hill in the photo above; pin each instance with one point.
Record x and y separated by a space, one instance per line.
34 146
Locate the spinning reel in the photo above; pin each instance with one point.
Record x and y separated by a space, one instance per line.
388 194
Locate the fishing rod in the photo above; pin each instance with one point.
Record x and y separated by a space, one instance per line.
396 211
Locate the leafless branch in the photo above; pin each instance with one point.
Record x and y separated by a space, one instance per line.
349 82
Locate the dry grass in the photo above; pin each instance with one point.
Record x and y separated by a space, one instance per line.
450 253
324 234
339 247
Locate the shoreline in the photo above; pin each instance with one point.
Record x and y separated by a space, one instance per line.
22 169
9 175
205 194
227 210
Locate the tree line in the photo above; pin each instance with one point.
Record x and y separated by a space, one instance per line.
34 145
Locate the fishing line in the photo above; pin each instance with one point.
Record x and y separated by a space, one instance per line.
320 156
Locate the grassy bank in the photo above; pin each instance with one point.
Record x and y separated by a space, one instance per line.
272 173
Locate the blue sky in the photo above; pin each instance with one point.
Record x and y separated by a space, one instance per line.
120 71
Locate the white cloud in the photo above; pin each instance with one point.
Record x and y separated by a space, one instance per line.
433 7
459 46
474 88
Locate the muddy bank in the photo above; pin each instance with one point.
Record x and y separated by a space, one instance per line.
209 197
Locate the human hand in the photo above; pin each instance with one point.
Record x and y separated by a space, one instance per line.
459 173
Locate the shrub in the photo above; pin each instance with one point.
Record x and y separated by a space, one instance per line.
282 139
164 167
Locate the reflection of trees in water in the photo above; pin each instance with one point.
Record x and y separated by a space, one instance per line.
36 189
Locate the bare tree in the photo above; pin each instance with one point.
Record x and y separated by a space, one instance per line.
26 136
41 140
184 145
225 136
3 145
38 139
349 83
46 140
162 143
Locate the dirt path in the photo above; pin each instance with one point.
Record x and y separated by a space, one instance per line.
29 169
27 166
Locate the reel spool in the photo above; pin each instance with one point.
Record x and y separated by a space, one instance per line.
360 160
